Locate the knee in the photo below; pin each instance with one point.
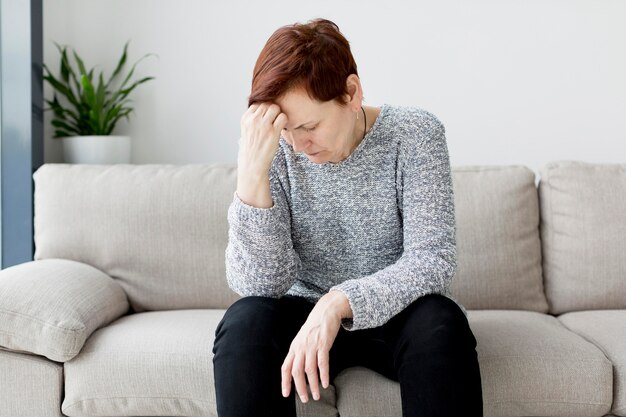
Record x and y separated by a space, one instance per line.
435 322
252 318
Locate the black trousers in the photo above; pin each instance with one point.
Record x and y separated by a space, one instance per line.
428 347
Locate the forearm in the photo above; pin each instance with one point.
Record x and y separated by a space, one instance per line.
260 259
254 189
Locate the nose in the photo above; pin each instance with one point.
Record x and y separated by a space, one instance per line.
299 143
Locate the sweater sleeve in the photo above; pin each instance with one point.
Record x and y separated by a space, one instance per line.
428 261
260 259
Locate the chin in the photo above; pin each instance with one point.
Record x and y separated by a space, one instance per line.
317 158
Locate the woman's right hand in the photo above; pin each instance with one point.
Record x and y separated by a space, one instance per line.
261 125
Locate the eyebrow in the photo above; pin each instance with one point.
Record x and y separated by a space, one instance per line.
302 125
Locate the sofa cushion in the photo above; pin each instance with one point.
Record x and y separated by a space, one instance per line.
607 330
154 363
498 245
362 392
30 385
583 230
50 307
531 365
159 230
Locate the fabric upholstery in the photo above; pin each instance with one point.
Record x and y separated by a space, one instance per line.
50 307
607 330
154 363
583 231
160 362
159 230
354 387
531 365
30 385
498 245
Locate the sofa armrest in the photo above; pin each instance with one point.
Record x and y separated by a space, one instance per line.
50 307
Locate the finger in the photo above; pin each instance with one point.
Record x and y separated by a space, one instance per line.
280 122
323 364
298 377
311 372
285 372
272 111
258 109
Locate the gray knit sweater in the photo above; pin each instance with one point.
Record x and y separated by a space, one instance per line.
378 226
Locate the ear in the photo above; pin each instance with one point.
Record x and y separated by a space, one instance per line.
355 93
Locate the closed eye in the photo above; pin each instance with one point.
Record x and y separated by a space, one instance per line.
311 129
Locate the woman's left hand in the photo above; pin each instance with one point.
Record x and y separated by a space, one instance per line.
310 348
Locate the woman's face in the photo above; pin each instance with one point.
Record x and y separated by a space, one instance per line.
324 131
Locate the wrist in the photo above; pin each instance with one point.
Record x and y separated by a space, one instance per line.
341 303
254 190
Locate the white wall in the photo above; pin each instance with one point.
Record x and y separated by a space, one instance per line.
514 82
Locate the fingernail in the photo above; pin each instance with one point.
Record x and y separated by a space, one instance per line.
284 392
316 396
303 398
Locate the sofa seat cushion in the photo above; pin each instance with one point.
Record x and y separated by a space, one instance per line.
607 330
532 365
154 363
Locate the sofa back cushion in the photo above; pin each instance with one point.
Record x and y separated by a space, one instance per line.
583 230
159 230
498 244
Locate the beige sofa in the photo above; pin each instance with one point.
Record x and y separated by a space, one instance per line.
116 315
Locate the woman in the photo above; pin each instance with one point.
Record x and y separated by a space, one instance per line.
341 242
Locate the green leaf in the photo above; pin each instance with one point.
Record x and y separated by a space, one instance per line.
61 88
97 107
120 64
133 69
60 134
81 66
88 88
125 92
100 102
68 128
60 110
121 114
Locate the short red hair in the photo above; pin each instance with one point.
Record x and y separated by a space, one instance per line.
314 56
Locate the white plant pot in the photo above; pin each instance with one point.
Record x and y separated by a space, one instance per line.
96 149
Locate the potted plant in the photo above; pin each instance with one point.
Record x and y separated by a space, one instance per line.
90 112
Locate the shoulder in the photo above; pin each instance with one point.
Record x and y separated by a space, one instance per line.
414 121
415 129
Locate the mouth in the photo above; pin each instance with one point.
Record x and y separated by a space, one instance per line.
313 154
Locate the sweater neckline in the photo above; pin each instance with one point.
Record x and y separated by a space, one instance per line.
360 146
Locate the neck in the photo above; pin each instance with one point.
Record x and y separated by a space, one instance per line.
359 129
358 135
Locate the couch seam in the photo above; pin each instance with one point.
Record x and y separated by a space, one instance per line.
54 350
15 313
130 397
46 361
558 358
547 401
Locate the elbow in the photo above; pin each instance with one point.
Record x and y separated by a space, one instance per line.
248 284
